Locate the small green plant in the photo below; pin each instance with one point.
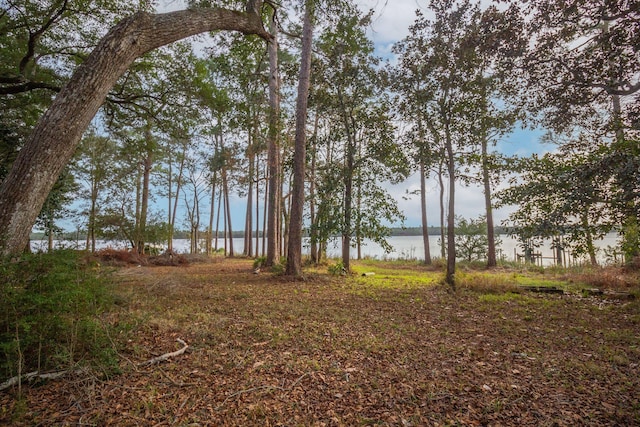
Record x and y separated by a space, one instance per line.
277 268
259 262
49 314
336 269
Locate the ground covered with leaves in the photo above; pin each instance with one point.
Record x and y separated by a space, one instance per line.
390 348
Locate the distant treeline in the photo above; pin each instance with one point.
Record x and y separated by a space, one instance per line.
180 234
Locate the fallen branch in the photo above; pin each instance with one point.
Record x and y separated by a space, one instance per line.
35 375
167 356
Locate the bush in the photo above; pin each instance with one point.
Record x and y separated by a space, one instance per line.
49 314
259 262
336 269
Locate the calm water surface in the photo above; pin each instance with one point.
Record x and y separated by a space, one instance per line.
404 247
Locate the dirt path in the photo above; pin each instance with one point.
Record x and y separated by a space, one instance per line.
264 350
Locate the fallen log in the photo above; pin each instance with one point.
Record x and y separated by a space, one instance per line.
35 375
543 289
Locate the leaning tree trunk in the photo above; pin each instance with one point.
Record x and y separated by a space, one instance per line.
57 133
294 251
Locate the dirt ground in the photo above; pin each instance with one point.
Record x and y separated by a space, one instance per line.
330 351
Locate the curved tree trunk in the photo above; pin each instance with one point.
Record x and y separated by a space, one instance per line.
55 137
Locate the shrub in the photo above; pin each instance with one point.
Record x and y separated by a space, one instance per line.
259 262
336 269
49 314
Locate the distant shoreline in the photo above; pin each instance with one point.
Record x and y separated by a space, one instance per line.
180 234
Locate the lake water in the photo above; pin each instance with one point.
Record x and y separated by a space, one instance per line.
404 247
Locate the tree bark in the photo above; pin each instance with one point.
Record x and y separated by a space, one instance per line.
491 238
294 252
312 196
57 133
451 236
273 152
348 185
225 189
423 206
443 246
248 221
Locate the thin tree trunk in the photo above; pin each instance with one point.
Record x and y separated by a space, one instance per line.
348 185
91 224
172 224
265 214
294 252
218 222
312 195
50 234
257 242
144 205
423 207
228 229
451 237
491 250
591 249
248 223
443 245
211 213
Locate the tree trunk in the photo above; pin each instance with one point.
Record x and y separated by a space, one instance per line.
257 242
313 237
91 224
265 215
294 252
58 132
274 185
144 206
248 223
491 250
211 213
172 223
217 233
348 189
225 189
451 236
423 206
169 224
50 234
443 246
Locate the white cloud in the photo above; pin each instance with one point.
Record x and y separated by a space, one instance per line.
391 18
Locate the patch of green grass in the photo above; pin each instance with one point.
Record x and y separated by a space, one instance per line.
486 282
381 277
530 280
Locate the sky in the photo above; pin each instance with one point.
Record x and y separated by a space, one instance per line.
390 24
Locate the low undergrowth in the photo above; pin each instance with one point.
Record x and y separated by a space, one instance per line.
50 314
